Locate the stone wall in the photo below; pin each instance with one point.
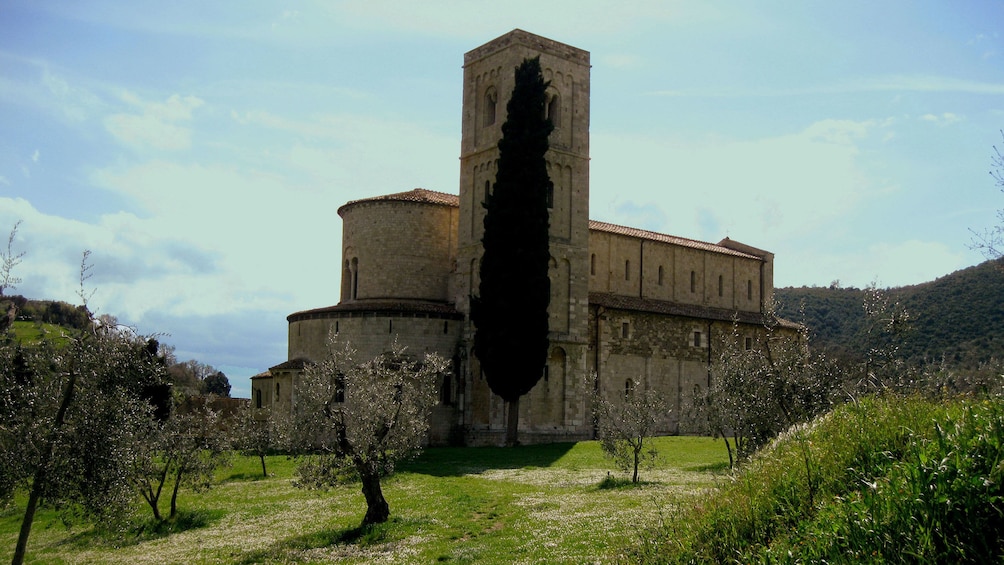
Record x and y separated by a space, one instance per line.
399 249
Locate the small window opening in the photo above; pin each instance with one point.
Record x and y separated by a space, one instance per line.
446 326
749 343
592 264
697 339
257 398
628 388
721 285
693 281
491 101
336 327
277 391
625 330
547 373
550 196
627 270
749 290
554 110
660 275
390 326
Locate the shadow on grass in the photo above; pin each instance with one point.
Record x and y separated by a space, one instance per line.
243 477
359 536
456 461
611 482
144 530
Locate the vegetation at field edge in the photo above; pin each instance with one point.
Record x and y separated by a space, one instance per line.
891 480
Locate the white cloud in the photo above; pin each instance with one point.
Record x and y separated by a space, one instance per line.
156 126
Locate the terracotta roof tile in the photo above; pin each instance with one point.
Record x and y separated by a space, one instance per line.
663 238
389 307
636 304
420 195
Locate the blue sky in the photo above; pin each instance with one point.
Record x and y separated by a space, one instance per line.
200 150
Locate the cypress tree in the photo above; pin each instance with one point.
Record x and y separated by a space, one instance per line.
510 312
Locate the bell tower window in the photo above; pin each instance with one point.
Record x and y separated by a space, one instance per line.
491 101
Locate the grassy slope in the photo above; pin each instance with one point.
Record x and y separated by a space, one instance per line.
893 480
533 504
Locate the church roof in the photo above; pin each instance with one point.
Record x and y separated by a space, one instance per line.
419 195
664 238
389 307
637 304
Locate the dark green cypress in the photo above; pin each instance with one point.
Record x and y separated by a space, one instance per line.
510 311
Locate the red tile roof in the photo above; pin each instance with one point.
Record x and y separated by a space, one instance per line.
388 307
636 304
663 238
419 195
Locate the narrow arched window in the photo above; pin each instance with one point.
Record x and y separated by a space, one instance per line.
490 102
355 279
554 110
592 264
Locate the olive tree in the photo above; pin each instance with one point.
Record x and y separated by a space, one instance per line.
183 450
991 240
626 425
71 410
357 419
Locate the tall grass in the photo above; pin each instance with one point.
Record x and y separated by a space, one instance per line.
900 480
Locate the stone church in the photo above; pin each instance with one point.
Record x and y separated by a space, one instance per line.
637 309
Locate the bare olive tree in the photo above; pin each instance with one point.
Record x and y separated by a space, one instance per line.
991 240
357 419
626 425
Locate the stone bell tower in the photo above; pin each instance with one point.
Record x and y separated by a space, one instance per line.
488 83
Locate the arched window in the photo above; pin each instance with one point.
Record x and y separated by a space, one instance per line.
354 290
553 110
592 264
491 101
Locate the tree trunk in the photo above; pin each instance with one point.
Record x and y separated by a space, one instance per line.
174 493
41 473
637 457
377 509
512 424
263 473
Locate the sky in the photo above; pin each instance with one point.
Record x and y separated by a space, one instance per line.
199 150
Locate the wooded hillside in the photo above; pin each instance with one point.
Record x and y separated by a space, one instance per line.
958 318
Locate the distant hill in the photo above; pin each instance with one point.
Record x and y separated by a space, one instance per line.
958 317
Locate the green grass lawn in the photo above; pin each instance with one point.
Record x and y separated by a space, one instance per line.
532 504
